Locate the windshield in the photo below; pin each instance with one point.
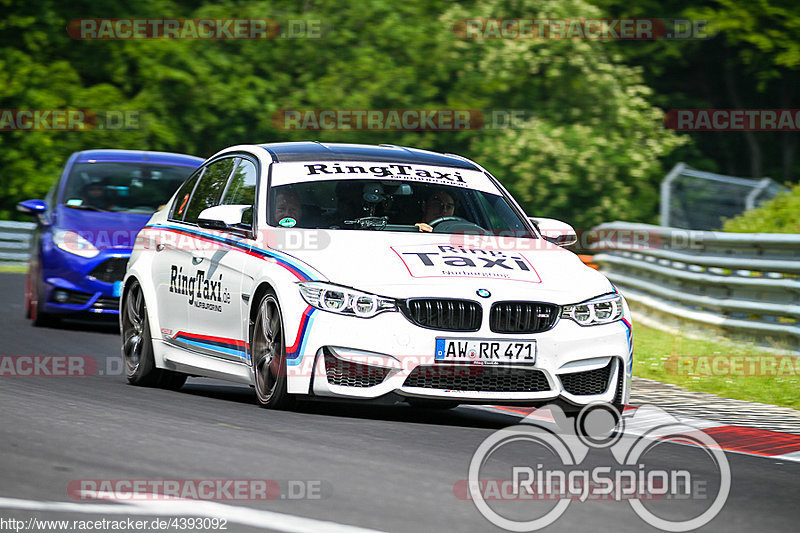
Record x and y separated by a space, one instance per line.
393 205
122 187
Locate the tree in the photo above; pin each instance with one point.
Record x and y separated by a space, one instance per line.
589 153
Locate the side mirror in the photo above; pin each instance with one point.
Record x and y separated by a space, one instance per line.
32 207
555 231
224 218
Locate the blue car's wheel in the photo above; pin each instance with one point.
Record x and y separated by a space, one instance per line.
33 304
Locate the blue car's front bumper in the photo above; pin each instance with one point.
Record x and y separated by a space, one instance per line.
70 284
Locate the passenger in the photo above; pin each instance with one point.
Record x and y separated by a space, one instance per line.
349 199
349 203
287 205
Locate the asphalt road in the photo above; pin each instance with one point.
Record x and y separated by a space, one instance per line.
390 468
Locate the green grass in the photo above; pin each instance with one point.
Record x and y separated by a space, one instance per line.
21 269
687 362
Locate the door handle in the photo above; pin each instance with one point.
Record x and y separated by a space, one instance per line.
196 260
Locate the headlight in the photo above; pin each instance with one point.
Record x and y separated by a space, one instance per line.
343 300
71 242
601 310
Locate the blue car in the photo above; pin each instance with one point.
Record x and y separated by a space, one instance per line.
87 225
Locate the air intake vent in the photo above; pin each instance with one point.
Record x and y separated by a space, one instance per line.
478 378
589 382
522 317
349 374
110 270
444 314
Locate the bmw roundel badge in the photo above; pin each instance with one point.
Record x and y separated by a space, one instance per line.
483 293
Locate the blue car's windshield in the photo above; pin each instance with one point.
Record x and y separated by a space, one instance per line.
122 187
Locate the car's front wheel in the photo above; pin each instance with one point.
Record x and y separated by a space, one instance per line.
40 319
268 355
137 345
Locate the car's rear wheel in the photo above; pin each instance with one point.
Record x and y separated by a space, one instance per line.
137 345
268 355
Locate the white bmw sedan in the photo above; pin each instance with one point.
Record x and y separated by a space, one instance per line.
368 272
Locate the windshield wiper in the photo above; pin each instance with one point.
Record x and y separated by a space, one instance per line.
369 222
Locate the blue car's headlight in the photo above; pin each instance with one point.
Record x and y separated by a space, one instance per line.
601 310
71 242
344 300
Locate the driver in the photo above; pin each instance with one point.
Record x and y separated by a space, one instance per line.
95 195
437 205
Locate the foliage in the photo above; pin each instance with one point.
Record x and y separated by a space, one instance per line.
747 56
592 148
778 215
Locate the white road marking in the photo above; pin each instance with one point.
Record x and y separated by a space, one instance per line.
246 516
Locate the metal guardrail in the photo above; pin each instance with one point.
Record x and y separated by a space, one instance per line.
15 242
739 284
732 282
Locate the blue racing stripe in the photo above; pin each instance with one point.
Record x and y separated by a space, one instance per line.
284 260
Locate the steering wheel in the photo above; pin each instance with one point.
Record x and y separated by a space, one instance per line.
459 224
439 220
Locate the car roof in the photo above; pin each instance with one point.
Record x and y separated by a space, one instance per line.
317 151
139 156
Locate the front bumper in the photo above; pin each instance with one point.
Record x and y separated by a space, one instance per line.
73 285
347 357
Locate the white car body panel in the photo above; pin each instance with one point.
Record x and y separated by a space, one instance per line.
206 333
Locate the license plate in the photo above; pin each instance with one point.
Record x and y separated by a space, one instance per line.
485 351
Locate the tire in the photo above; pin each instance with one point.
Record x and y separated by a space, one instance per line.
432 404
137 345
28 294
40 319
268 355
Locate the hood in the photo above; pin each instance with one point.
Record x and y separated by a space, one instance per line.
404 265
103 229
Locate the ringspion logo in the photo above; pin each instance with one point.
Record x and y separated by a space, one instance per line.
677 498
